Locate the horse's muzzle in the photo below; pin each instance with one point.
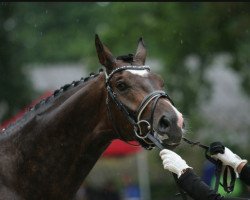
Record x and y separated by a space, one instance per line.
170 129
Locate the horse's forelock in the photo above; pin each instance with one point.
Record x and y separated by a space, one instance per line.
126 58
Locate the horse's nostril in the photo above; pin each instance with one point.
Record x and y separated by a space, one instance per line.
164 123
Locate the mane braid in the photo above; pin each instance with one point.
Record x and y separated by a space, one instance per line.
55 94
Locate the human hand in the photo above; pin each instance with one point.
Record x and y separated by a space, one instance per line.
173 162
230 158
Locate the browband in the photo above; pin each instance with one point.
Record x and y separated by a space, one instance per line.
108 76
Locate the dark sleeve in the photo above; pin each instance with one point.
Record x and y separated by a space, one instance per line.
197 189
245 174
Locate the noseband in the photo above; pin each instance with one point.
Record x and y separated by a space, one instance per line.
135 117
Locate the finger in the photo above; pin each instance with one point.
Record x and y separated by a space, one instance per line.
166 162
164 151
168 157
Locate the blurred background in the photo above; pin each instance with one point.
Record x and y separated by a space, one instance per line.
202 50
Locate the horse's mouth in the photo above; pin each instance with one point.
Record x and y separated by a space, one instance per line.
162 138
170 146
167 142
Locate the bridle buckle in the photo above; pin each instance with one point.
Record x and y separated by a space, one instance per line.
138 129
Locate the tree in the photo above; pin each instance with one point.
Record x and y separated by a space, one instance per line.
14 88
64 32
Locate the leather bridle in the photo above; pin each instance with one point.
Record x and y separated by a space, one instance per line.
135 117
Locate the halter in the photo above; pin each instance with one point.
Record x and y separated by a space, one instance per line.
135 117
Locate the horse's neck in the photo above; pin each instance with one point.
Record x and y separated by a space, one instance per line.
60 146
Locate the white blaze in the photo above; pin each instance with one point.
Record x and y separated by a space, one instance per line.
143 73
179 116
180 119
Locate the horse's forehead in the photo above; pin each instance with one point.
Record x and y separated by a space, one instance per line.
142 73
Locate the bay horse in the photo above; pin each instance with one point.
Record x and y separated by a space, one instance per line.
47 154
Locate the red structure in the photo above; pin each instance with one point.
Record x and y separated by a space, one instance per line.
119 148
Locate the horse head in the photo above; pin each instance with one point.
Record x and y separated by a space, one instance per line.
136 101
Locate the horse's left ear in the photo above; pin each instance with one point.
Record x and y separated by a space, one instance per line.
105 56
141 52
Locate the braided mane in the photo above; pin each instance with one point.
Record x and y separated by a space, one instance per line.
65 88
45 101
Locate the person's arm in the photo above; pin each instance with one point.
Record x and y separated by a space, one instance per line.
245 173
187 179
196 188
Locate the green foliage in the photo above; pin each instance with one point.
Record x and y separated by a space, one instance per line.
14 86
64 32
57 32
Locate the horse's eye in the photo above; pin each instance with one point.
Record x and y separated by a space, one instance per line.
121 86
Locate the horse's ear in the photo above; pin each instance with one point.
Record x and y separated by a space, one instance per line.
105 56
141 52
